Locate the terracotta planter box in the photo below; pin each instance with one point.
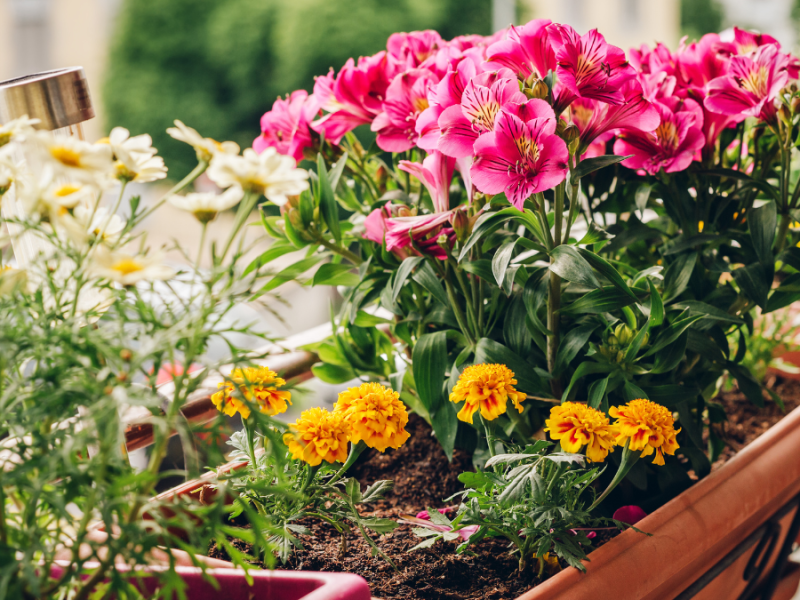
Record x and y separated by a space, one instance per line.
701 542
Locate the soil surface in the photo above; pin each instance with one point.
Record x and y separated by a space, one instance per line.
423 477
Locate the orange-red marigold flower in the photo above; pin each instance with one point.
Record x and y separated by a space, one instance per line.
488 388
649 427
318 435
577 425
375 415
258 385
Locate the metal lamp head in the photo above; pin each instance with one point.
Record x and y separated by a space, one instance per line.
57 98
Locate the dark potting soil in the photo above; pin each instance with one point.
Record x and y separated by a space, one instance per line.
423 477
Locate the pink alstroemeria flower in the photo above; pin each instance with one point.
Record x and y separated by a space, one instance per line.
519 157
286 126
752 84
410 50
485 95
673 145
354 97
406 98
634 113
747 41
589 67
444 94
435 173
528 51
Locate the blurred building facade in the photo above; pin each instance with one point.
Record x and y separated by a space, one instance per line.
39 35
768 16
624 23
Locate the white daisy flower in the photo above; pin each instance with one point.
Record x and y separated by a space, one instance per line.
96 221
206 206
206 148
73 158
52 200
134 157
12 279
16 128
274 175
129 269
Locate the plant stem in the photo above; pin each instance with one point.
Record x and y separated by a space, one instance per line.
553 305
204 227
245 208
190 178
487 428
629 458
462 321
344 252
355 452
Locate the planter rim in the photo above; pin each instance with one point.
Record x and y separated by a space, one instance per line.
694 529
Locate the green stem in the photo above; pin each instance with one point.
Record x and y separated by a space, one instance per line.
245 208
629 458
487 428
344 252
572 203
542 213
553 322
783 230
312 471
204 227
355 452
630 317
250 434
190 178
462 321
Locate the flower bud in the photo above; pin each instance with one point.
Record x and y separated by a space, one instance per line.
796 104
461 225
785 115
646 339
443 241
624 334
620 356
571 133
125 354
538 90
612 340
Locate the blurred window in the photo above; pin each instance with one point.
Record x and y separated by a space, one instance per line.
31 35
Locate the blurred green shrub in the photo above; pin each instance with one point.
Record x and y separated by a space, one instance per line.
218 66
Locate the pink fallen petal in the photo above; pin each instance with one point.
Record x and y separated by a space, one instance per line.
629 514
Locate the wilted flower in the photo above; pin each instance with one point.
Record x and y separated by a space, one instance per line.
129 269
318 435
134 157
274 175
205 206
206 148
577 425
257 385
647 426
487 387
375 414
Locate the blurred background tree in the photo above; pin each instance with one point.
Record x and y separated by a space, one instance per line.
699 17
218 66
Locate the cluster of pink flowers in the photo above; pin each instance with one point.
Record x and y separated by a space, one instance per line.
479 105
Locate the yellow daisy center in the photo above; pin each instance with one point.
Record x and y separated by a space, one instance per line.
66 156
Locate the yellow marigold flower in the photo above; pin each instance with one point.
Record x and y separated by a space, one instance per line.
258 385
488 388
649 427
318 435
576 425
375 415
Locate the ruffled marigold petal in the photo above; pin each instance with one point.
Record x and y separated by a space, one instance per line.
375 415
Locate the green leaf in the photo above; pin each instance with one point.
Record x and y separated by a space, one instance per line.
598 301
677 275
656 305
748 384
608 271
290 273
568 264
482 268
710 312
427 278
584 369
791 257
489 351
353 489
336 171
755 281
637 341
684 242
364 319
489 222
501 260
276 250
429 364
594 235
534 295
670 357
402 274
327 202
762 223
597 391
572 343
670 395
380 525
631 391
333 373
642 196
590 165
515 333
332 274
672 333
445 426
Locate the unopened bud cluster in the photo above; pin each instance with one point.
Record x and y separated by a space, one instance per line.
616 343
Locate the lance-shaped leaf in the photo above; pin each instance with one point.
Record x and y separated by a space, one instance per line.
568 264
